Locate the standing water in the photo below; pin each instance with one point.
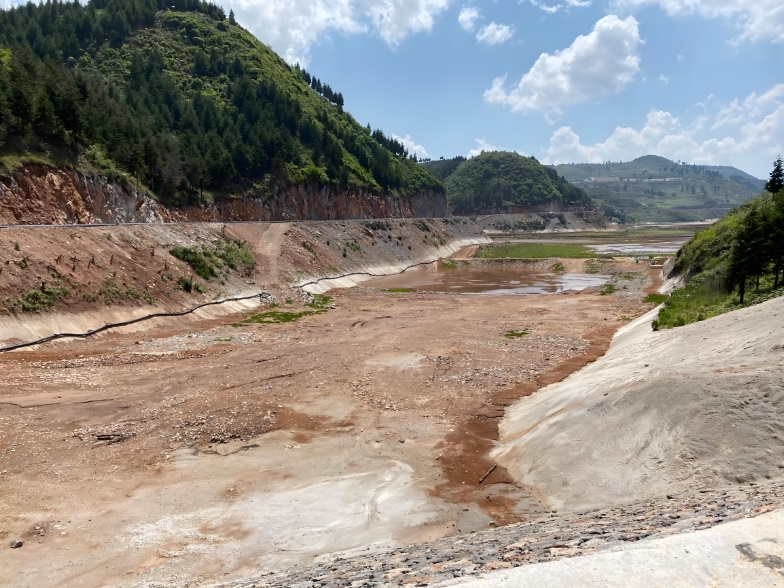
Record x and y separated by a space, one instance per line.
486 280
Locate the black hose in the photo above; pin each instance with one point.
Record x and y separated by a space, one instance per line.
123 324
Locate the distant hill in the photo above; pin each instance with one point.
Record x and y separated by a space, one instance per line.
656 189
177 99
496 180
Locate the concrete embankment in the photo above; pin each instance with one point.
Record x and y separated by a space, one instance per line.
117 273
661 412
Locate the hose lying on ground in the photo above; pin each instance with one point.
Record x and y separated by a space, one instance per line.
108 326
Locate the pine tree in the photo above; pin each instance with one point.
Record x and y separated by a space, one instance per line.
776 182
231 17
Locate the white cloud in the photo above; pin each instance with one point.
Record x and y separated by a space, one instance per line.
412 147
547 7
482 145
495 34
664 79
467 18
756 19
756 138
752 107
292 27
596 65
551 8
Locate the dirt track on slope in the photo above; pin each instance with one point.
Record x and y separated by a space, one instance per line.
199 450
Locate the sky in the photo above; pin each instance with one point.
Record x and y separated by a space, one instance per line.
699 81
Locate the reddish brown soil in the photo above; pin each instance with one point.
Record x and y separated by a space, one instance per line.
96 431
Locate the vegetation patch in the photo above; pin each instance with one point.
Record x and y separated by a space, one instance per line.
558 268
320 301
453 264
607 289
421 225
515 334
225 254
535 251
520 226
277 317
399 290
41 299
655 298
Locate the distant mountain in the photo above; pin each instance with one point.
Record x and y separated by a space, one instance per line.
179 100
656 189
496 180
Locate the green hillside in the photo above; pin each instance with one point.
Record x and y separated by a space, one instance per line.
736 262
656 189
443 168
177 98
498 179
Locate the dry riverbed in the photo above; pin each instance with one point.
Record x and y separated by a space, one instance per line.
200 451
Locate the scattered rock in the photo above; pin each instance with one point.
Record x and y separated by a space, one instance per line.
16 544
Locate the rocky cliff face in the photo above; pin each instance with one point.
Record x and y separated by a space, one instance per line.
37 194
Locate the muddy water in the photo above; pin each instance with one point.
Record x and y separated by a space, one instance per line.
655 248
484 280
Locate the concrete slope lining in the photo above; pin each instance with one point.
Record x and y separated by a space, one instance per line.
748 552
127 323
348 280
662 411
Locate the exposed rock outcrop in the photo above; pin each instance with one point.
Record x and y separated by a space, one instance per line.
38 194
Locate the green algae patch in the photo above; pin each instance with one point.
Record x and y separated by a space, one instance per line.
276 317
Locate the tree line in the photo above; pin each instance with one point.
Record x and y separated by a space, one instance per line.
758 246
335 98
225 121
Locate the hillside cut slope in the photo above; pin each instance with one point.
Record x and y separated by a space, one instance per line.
661 412
180 102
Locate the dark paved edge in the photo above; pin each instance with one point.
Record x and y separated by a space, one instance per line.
546 539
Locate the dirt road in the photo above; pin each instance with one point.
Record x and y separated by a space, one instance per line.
203 451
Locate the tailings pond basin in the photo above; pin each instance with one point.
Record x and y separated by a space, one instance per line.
486 280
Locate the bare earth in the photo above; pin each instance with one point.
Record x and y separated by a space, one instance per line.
199 451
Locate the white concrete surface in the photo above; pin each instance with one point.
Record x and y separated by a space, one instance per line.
370 271
660 412
745 553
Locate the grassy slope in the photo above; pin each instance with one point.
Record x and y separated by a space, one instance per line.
704 261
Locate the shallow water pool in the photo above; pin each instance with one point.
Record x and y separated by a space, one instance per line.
484 280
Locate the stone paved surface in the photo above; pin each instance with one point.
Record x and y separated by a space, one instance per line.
545 539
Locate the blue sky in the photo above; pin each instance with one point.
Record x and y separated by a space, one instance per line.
696 80
564 80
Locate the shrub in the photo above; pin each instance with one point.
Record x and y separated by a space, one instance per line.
197 260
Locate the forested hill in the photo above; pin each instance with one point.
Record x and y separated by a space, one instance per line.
498 179
178 99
